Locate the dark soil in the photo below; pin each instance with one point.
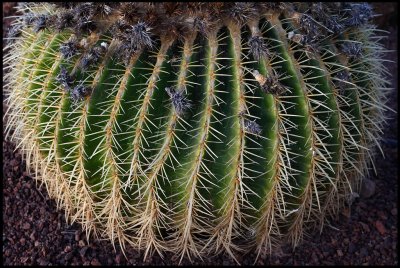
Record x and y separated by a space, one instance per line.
36 233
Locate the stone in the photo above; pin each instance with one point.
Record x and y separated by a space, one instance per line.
95 262
380 227
367 188
394 211
339 253
26 226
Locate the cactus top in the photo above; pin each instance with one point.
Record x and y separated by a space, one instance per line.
136 24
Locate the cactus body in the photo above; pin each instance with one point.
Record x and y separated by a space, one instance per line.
232 134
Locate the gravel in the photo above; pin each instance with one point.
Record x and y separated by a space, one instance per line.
36 233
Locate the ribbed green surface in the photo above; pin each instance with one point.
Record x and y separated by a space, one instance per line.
51 99
200 181
40 60
262 150
300 156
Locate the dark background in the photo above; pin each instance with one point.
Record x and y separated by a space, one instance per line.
34 232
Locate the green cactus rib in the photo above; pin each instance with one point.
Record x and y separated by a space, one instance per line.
336 141
350 127
49 99
71 149
267 190
197 212
370 91
299 137
148 198
326 139
228 195
99 161
28 64
119 130
359 168
40 71
159 182
46 68
128 163
187 201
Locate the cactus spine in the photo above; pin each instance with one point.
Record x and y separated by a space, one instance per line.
213 134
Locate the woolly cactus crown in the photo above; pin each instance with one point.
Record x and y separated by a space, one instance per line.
197 127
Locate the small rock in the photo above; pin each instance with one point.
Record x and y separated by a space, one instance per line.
67 249
118 259
32 235
26 226
22 241
363 252
365 227
394 211
339 253
346 212
367 188
42 262
11 240
314 257
82 252
7 253
382 215
380 227
81 243
68 256
95 262
37 243
352 248
77 236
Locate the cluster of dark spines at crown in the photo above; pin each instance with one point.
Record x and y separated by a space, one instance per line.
133 38
136 25
178 99
258 48
65 79
319 21
252 127
70 48
353 50
80 92
77 92
63 20
93 56
175 19
242 12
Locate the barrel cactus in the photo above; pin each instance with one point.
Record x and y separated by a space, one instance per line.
197 128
